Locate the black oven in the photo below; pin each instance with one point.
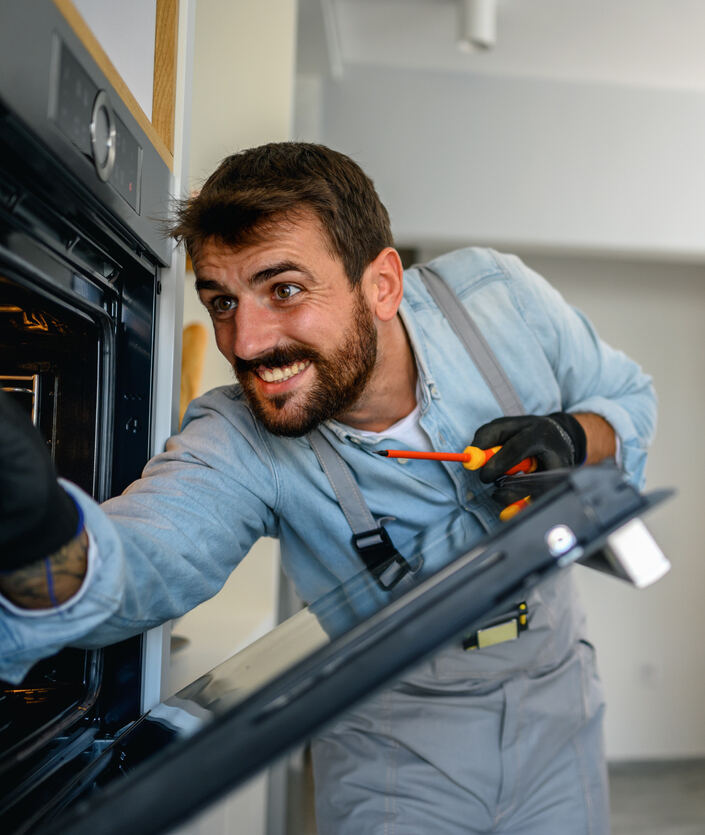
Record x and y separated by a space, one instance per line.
81 190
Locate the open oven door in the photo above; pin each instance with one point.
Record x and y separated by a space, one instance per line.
231 723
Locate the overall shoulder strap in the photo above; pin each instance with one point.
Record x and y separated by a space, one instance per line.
474 342
370 539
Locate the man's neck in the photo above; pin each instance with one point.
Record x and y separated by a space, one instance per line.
390 394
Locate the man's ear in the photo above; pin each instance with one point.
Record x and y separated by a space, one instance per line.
385 284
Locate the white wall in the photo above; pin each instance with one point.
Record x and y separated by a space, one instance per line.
526 162
243 78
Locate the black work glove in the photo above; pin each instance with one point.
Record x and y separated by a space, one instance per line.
512 488
37 516
555 441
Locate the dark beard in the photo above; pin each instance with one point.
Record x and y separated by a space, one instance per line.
341 378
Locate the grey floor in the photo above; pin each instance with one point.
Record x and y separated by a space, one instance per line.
658 798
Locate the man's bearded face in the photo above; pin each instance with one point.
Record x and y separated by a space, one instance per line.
340 377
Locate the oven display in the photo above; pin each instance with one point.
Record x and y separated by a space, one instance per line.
76 93
125 176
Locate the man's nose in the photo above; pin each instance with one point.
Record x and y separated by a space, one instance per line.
256 330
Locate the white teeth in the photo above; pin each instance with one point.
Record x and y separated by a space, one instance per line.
278 375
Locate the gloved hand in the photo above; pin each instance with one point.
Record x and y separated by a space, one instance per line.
37 516
513 488
556 440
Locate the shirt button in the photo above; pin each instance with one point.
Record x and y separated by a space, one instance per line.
469 496
441 437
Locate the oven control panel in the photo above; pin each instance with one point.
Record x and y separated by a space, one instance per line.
84 114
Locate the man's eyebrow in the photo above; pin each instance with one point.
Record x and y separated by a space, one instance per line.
277 269
210 284
260 277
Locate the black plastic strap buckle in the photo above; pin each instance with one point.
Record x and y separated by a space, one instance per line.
381 558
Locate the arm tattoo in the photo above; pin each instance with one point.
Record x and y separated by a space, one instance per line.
29 588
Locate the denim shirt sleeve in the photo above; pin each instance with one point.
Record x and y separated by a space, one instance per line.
593 376
167 543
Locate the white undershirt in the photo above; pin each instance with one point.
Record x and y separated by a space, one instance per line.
407 430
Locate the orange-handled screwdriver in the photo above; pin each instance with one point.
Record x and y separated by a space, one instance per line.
472 458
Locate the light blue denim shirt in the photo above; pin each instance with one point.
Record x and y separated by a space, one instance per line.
172 539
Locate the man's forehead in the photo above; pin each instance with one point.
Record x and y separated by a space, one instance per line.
272 240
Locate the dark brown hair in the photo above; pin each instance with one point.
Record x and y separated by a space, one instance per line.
252 191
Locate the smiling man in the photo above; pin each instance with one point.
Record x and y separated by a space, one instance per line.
333 342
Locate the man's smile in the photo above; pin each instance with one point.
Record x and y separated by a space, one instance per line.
280 374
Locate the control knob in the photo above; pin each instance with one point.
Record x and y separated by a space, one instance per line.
103 135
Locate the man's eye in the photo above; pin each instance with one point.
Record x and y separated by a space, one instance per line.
286 291
223 304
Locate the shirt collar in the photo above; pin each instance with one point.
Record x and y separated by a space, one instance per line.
428 386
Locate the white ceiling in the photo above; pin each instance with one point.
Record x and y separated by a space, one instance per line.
648 43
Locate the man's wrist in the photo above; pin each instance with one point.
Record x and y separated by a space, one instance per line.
601 437
48 582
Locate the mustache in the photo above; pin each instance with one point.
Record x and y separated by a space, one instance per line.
275 358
